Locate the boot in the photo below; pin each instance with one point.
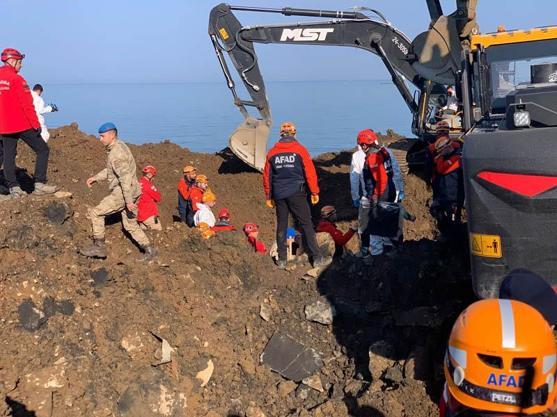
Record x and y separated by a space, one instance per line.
42 189
150 253
281 264
17 192
96 250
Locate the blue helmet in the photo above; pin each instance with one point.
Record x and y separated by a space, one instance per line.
106 127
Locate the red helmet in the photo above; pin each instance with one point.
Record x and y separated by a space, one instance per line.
367 137
250 228
224 214
11 53
150 169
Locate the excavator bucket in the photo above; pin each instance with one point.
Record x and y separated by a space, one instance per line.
249 142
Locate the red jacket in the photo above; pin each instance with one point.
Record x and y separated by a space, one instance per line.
150 196
287 169
446 164
258 245
340 238
195 197
184 188
375 163
17 112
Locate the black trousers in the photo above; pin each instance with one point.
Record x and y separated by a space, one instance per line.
298 205
39 146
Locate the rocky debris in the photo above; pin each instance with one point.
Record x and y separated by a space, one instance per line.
31 318
286 387
320 312
314 382
420 316
63 194
254 411
205 375
290 358
57 212
302 392
99 277
154 395
393 376
379 359
265 311
312 273
166 351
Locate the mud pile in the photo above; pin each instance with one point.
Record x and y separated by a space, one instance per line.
84 337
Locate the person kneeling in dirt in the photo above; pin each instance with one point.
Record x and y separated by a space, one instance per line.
328 227
288 173
204 219
185 185
447 183
500 361
200 187
252 232
124 195
147 209
223 222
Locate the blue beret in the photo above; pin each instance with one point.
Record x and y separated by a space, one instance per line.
106 127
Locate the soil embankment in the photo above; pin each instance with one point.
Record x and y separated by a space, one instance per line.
77 336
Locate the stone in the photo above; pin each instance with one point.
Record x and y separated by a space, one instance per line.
205 375
153 395
393 376
30 317
302 392
314 382
290 358
63 194
379 359
57 212
132 344
320 311
99 277
247 366
65 307
265 311
312 273
286 387
254 411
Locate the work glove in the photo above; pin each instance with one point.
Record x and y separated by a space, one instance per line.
270 203
314 199
54 107
356 203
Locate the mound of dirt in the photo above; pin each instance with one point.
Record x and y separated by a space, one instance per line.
84 337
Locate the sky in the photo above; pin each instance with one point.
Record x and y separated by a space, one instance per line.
145 41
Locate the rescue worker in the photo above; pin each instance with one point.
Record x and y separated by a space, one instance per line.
327 225
289 173
223 222
252 233
184 187
18 120
204 212
383 190
447 184
501 360
196 192
147 209
41 109
120 173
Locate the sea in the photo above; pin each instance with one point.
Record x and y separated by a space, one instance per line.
201 116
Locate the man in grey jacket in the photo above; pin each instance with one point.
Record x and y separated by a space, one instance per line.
120 172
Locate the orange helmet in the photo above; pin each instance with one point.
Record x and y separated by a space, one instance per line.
150 169
202 179
287 129
442 128
209 197
502 358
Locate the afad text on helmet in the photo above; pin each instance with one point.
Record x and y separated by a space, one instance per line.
503 380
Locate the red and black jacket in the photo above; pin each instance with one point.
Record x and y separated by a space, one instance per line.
17 112
288 170
378 176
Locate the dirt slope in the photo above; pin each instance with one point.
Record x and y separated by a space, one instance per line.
76 334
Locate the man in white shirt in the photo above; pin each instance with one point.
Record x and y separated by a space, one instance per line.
204 214
41 109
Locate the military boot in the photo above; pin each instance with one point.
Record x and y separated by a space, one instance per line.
150 253
42 189
96 250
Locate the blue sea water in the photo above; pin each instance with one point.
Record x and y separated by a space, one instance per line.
201 116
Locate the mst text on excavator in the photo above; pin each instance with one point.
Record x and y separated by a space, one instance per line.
506 84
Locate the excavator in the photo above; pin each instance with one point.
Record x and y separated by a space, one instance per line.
506 84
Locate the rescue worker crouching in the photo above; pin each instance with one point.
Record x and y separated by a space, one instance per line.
125 191
251 231
501 360
184 188
327 226
447 183
288 173
223 221
147 209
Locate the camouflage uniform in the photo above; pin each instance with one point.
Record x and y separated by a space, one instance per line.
120 172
